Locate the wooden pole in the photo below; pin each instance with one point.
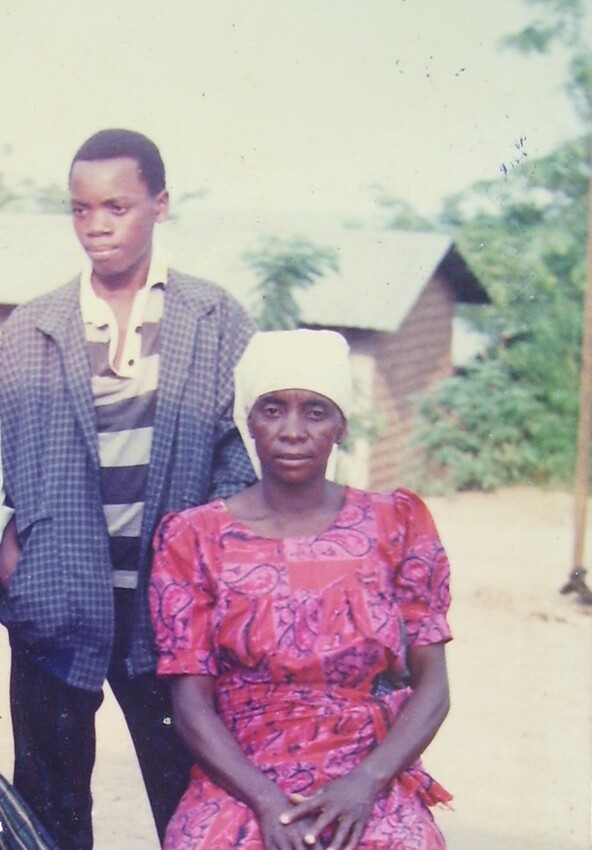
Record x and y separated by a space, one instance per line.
582 471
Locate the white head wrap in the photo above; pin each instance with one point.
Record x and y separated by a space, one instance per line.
301 359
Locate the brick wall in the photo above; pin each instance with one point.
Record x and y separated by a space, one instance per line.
407 363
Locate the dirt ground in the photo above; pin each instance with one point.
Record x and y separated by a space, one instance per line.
516 748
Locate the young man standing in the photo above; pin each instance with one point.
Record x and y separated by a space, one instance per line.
115 407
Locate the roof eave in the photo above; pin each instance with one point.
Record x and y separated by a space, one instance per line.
467 287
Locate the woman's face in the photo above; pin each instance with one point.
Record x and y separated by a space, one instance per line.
294 432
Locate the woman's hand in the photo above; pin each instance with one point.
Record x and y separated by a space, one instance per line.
279 834
343 807
220 756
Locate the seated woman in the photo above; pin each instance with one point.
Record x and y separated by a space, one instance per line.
302 625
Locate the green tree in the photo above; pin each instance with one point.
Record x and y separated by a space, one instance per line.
531 254
49 199
565 23
282 268
478 432
401 215
7 192
27 196
515 414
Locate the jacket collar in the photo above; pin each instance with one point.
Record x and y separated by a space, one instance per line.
186 303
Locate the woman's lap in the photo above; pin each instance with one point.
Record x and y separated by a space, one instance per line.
207 818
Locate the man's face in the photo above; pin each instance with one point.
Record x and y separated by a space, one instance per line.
114 215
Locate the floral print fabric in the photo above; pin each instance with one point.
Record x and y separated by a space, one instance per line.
303 637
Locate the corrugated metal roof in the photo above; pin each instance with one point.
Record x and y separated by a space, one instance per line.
381 273
380 278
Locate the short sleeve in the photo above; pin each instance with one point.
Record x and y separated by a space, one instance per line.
422 571
182 600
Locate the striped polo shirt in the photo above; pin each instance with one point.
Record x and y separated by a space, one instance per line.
125 407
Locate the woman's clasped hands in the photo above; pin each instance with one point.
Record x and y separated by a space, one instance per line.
336 815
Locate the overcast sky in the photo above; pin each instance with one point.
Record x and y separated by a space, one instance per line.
282 104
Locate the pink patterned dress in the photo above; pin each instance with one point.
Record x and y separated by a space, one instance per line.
301 635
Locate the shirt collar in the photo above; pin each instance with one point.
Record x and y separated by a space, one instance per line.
95 309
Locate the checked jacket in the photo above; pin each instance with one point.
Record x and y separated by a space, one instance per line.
61 595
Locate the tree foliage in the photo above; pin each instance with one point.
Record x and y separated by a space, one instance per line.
18 195
282 268
479 432
565 23
516 412
513 417
401 215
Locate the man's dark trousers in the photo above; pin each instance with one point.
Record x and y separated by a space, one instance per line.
55 744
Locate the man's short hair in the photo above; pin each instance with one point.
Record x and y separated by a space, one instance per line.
111 144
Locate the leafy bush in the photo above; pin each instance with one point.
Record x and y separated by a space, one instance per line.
483 430
514 416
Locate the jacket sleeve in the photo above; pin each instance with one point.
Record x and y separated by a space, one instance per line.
232 469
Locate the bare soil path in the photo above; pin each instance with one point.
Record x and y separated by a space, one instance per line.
516 750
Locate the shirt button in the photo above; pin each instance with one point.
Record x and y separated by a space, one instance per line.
130 362
139 329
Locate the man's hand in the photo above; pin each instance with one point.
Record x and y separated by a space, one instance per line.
10 552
